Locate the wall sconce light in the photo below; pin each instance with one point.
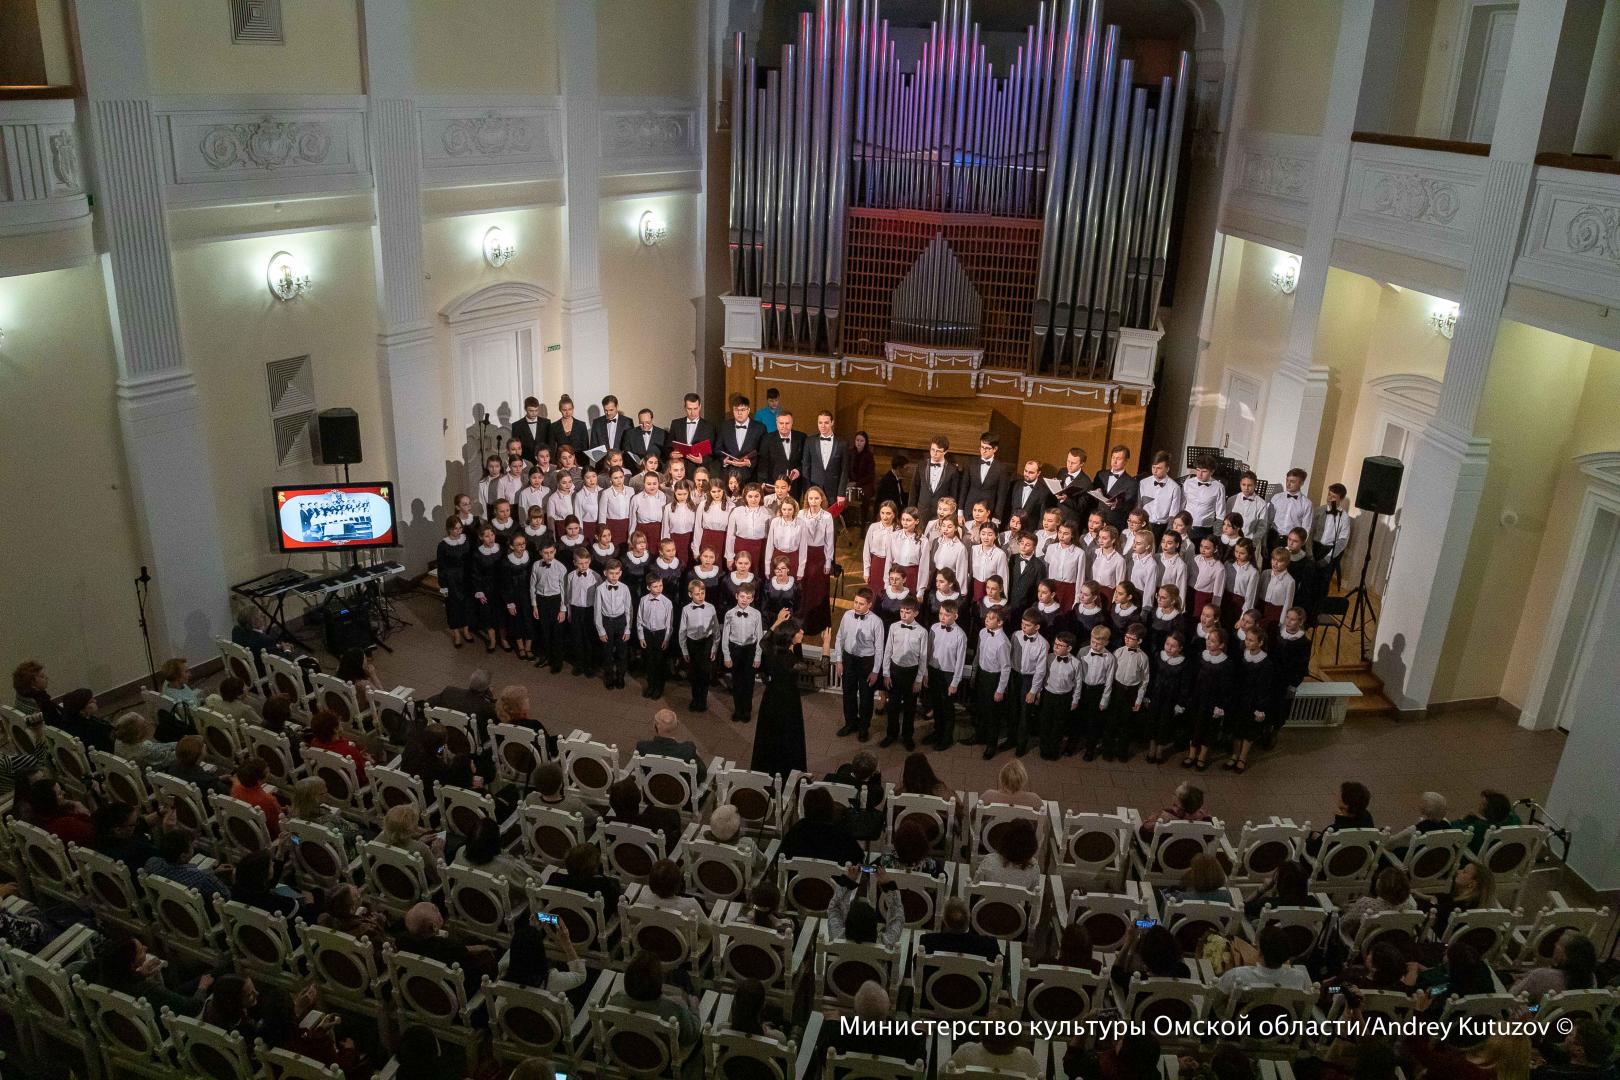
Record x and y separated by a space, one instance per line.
1285 275
286 277
652 228
1443 319
498 247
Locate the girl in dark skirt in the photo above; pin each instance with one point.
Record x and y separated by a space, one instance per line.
1169 694
515 600
1257 698
781 592
454 554
815 601
483 582
1213 698
1090 611
1166 618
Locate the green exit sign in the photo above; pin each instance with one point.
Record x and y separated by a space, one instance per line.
553 348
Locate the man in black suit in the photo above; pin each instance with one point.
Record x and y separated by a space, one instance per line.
531 429
1030 496
570 430
612 427
475 700
782 453
892 486
988 481
740 442
692 428
936 479
1116 490
1073 485
647 438
826 460
1025 571
664 743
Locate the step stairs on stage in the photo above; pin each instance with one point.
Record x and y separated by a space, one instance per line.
1372 701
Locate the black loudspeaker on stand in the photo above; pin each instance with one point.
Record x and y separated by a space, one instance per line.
142 584
338 432
1376 492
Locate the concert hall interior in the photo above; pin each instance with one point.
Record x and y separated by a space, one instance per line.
1008 418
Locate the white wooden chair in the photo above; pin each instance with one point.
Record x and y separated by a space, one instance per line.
842 794
278 1064
394 879
746 951
50 871
1278 1007
679 941
110 890
631 1043
480 903
1601 1004
285 676
186 799
986 820
207 1051
1533 944
184 925
590 766
1488 931
223 744
1476 1007
922 896
756 795
1302 926
1191 920
433 994
519 750
127 1033
241 826
1263 847
549 832
1094 849
1344 864
261 944
842 967
808 885
1400 928
1511 853
1151 1000
273 748
936 815
121 780
345 971
731 1055
1048 992
719 871
461 809
17 729
525 1022
392 787
53 1023
630 850
670 783
950 986
167 709
593 928
1003 911
69 762
393 712
1172 848
1108 917
871 1067
1430 859
460 729
320 859
343 788
238 661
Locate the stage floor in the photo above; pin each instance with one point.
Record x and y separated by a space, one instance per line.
1455 753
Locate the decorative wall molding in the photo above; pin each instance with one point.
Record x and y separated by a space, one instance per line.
41 177
256 22
647 135
1422 203
468 141
1275 175
1571 245
496 303
251 148
1414 396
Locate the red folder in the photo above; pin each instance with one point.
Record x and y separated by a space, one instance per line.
694 451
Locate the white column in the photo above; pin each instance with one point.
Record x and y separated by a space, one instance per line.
1448 470
159 409
584 318
1298 390
407 361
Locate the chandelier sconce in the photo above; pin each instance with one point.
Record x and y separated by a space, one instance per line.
651 228
287 279
1285 275
1443 319
498 247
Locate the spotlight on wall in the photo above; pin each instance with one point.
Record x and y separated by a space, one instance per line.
498 247
286 277
1443 318
1285 275
652 228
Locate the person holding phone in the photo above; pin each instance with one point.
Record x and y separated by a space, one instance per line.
851 919
528 962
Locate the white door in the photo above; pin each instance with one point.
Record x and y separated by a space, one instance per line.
496 371
1576 660
1240 412
1484 67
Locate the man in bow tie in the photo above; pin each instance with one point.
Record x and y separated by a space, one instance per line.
1116 490
1290 509
693 428
1161 496
646 438
783 452
1073 484
1203 497
936 479
531 429
988 480
740 442
1331 532
826 460
1030 495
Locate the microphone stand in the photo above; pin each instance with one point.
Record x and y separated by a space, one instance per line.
142 584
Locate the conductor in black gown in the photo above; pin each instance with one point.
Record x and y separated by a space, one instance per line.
779 736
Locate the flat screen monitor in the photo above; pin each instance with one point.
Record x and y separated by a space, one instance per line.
335 517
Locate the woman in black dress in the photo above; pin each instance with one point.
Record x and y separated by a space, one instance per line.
483 582
452 568
779 740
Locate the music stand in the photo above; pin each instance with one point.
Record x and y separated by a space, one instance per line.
1361 608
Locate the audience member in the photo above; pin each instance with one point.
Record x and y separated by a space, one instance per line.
528 961
323 735
1287 886
1011 787
1014 856
748 1010
228 700
254 884
249 788
1154 952
402 828
1074 949
913 853
725 827
1188 806
1573 967
345 912
1392 891
1272 967
309 804
667 884
425 935
551 789
188 766
625 806
999 1048
872 1006
133 740
665 725
173 861
1586 1053
957 935
1472 887
1204 879
1431 816
62 817
475 700
851 919
818 835
644 992
120 833
123 964
1495 809
582 872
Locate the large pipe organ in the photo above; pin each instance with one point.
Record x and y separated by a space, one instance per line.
922 214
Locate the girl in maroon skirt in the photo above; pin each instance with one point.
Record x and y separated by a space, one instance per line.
647 507
1242 582
1065 565
746 528
1209 576
616 508
712 520
906 547
784 536
680 523
875 550
1277 589
815 601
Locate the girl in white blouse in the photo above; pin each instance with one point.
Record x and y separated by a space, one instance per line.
712 520
1209 574
875 549
1172 567
1108 562
1242 582
616 508
746 527
906 547
988 561
560 503
680 522
815 600
647 510
1065 565
946 552
785 535
1144 575
588 502
1278 596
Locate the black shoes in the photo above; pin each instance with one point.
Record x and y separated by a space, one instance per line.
846 731
888 741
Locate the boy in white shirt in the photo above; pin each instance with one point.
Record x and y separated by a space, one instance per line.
905 656
546 583
698 639
653 619
741 645
1203 497
613 607
947 661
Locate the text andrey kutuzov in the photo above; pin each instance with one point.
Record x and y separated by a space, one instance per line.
1236 1028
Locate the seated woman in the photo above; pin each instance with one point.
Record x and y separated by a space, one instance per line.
62 817
1472 888
484 851
249 787
1013 858
346 913
309 804
1011 787
1494 810
1382 967
582 872
1074 950
323 735
1288 886
725 827
818 834
176 674
133 740
1574 967
1392 891
917 778
1352 813
765 908
1462 974
528 961
357 668
255 884
644 992
912 852
999 1049
1431 816
229 701
625 805
749 1011
667 884
849 919
1204 879
402 828
123 964
1154 952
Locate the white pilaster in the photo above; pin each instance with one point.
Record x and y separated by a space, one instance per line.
1298 391
159 410
407 360
584 318
1448 471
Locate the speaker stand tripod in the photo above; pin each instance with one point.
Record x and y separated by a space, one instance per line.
1361 612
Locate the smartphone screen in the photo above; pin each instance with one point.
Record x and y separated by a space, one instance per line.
1143 924
545 918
